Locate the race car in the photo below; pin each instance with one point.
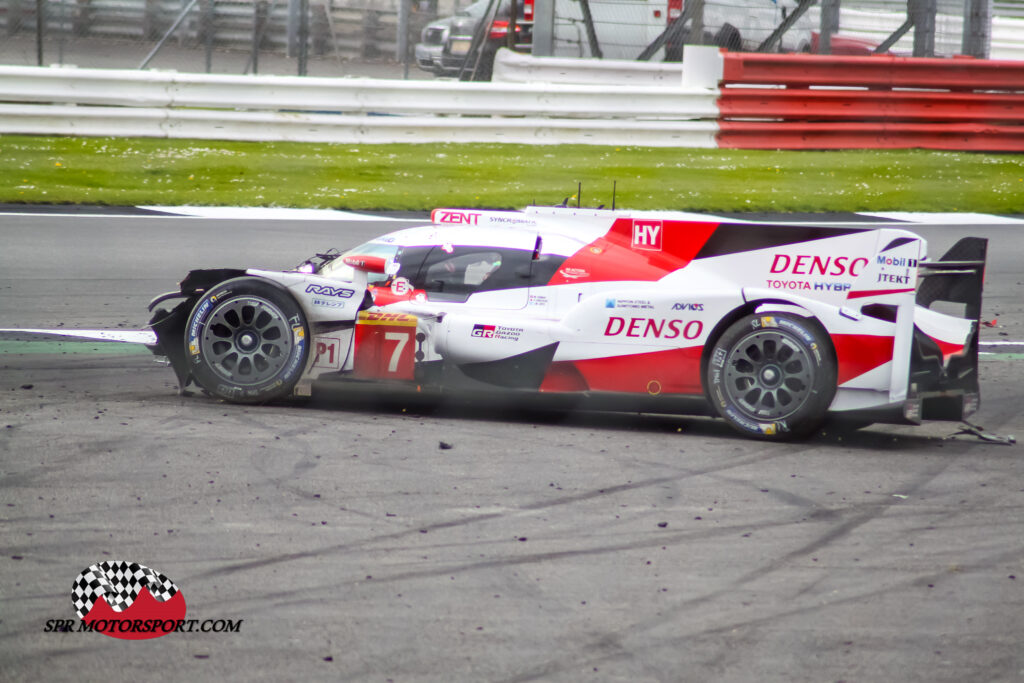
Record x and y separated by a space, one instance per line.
772 327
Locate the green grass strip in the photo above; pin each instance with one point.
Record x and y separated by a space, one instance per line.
125 171
59 348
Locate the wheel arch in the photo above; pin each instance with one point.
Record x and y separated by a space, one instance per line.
170 326
767 305
816 378
259 360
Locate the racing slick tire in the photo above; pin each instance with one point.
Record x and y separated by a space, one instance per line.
772 376
247 341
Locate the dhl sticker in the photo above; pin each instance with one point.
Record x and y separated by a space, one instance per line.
379 318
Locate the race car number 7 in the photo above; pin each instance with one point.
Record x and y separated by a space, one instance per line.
402 338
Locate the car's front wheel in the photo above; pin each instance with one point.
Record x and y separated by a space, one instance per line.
772 376
247 341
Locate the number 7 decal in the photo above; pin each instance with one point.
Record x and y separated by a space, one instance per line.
402 338
382 348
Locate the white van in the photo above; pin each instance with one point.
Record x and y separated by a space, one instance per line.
623 28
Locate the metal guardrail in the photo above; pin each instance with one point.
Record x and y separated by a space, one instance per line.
512 67
326 128
73 101
875 71
112 87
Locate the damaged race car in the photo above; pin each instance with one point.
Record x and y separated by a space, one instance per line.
771 327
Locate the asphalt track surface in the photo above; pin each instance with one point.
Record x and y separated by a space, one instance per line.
542 545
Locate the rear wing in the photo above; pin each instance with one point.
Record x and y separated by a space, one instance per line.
957 277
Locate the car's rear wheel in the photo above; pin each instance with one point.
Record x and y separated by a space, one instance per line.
772 376
247 341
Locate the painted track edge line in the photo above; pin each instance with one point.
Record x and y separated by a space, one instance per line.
126 336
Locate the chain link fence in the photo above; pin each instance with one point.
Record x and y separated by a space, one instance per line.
376 37
307 37
640 29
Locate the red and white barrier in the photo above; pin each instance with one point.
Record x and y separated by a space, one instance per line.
798 101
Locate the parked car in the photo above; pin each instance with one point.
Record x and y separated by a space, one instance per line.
771 327
432 41
445 44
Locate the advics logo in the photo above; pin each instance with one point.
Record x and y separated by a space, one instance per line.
127 600
647 234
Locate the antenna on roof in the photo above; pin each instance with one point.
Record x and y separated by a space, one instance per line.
614 183
579 194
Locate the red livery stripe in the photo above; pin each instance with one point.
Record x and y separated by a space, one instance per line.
948 349
876 292
613 256
859 353
672 371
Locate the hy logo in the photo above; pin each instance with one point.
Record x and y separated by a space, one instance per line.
647 234
114 596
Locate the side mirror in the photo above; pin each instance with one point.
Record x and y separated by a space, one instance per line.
366 263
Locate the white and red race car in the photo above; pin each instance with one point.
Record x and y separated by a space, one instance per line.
772 327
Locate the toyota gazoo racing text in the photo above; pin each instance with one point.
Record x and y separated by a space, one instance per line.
771 327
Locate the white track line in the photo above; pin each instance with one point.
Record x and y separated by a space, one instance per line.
127 336
270 213
945 218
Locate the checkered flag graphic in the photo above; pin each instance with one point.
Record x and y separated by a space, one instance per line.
119 583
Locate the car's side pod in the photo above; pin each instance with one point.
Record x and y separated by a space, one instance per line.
169 326
949 392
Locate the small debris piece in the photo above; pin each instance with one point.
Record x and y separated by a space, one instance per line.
980 432
444 445
662 525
